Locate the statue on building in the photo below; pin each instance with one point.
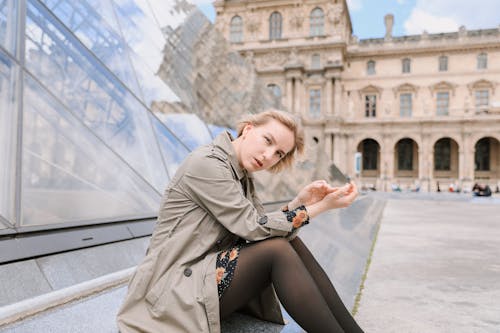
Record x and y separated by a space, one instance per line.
296 18
334 13
389 22
253 23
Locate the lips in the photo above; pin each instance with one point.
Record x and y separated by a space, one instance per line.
259 163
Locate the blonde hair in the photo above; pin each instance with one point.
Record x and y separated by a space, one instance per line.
287 119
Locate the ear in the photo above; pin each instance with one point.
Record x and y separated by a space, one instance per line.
247 128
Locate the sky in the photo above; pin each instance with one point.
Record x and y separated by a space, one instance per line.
411 17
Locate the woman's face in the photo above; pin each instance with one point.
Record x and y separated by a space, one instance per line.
263 146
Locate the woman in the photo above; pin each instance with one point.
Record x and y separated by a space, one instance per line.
214 250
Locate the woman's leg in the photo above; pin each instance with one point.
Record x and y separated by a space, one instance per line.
274 260
326 287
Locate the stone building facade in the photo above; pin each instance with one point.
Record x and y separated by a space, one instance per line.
410 111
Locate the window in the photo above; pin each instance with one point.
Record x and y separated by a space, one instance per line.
370 154
315 103
482 61
315 61
317 20
370 106
275 26
405 154
406 65
370 67
405 105
236 30
442 155
482 100
275 89
442 103
482 155
443 63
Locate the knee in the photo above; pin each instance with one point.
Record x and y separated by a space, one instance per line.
279 246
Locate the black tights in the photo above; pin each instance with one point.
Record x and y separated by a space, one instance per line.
301 284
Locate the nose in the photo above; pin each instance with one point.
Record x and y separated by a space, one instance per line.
268 154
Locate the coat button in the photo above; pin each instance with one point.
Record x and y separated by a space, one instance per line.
188 272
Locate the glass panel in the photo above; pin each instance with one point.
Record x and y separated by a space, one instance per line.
172 150
405 105
370 105
315 103
8 135
8 24
316 22
443 100
216 130
95 33
93 94
236 29
71 175
188 128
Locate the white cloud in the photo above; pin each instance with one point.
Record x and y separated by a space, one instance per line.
354 5
420 20
448 15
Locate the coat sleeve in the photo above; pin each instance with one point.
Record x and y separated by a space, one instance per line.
209 182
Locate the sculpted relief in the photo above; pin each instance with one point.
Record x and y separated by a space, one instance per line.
296 18
334 13
253 23
273 59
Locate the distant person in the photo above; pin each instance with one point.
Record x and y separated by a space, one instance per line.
481 190
214 250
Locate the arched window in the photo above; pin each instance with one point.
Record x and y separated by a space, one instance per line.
317 22
443 63
482 61
236 29
370 154
370 67
482 155
275 26
442 154
405 154
315 61
406 65
275 89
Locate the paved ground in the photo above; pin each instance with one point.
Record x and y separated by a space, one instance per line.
435 267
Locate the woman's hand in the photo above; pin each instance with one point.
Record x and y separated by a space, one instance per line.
341 197
311 194
338 197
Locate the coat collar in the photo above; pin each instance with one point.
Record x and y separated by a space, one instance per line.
223 141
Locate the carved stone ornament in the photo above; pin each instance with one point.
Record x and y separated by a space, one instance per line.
293 58
296 19
274 58
334 13
253 23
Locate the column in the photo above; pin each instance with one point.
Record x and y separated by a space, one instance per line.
297 97
329 96
289 94
337 98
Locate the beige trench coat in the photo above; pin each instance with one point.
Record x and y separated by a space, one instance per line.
209 204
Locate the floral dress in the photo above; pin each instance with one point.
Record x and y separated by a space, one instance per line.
227 260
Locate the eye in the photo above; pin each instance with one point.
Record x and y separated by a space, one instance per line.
280 154
268 141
